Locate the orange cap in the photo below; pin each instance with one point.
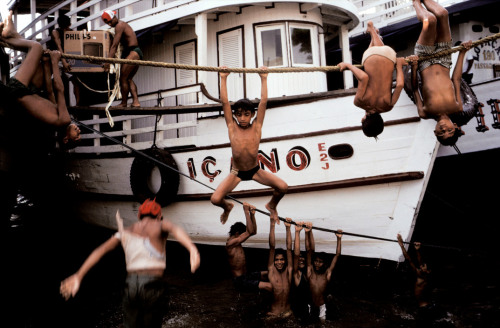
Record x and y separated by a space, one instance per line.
108 15
149 208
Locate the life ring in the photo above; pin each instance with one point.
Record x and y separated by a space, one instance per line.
145 181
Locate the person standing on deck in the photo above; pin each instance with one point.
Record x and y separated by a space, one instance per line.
144 243
375 82
125 35
57 43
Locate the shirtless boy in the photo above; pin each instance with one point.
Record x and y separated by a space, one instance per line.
144 245
17 91
244 137
427 310
440 94
238 234
375 82
125 35
300 288
280 274
318 274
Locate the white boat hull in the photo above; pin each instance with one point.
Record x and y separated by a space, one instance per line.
376 192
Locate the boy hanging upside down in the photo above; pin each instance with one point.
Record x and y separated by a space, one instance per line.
244 137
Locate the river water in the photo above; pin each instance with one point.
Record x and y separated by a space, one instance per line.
46 245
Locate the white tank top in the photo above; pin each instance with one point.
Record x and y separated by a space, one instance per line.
139 253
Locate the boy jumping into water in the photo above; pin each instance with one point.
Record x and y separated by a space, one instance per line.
375 82
143 243
440 94
244 137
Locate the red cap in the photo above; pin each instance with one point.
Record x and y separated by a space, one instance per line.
149 208
108 15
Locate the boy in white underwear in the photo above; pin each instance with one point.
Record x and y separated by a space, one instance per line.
375 82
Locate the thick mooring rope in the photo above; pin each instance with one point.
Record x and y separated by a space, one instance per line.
94 59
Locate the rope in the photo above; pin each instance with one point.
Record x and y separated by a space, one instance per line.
460 47
89 88
236 200
94 59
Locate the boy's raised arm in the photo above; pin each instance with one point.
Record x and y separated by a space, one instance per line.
272 245
226 107
400 80
414 85
289 243
337 254
296 252
261 110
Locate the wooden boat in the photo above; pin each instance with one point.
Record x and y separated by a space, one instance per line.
338 178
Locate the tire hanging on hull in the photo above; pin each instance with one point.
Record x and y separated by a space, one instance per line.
140 174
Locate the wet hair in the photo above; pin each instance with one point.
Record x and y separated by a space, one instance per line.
244 104
238 227
373 125
63 21
321 256
281 251
450 141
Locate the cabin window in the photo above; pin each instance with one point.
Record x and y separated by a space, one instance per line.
285 44
301 46
271 45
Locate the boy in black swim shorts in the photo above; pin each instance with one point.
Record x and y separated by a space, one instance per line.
244 136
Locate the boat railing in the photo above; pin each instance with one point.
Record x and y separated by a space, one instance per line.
139 131
129 134
387 12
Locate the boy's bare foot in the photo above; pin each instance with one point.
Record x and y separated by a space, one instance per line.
369 27
120 106
9 29
224 216
136 105
274 213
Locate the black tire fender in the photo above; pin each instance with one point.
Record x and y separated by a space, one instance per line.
140 177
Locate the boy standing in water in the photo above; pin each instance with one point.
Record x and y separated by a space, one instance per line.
300 287
375 82
440 94
238 234
144 245
280 274
244 137
427 310
318 274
